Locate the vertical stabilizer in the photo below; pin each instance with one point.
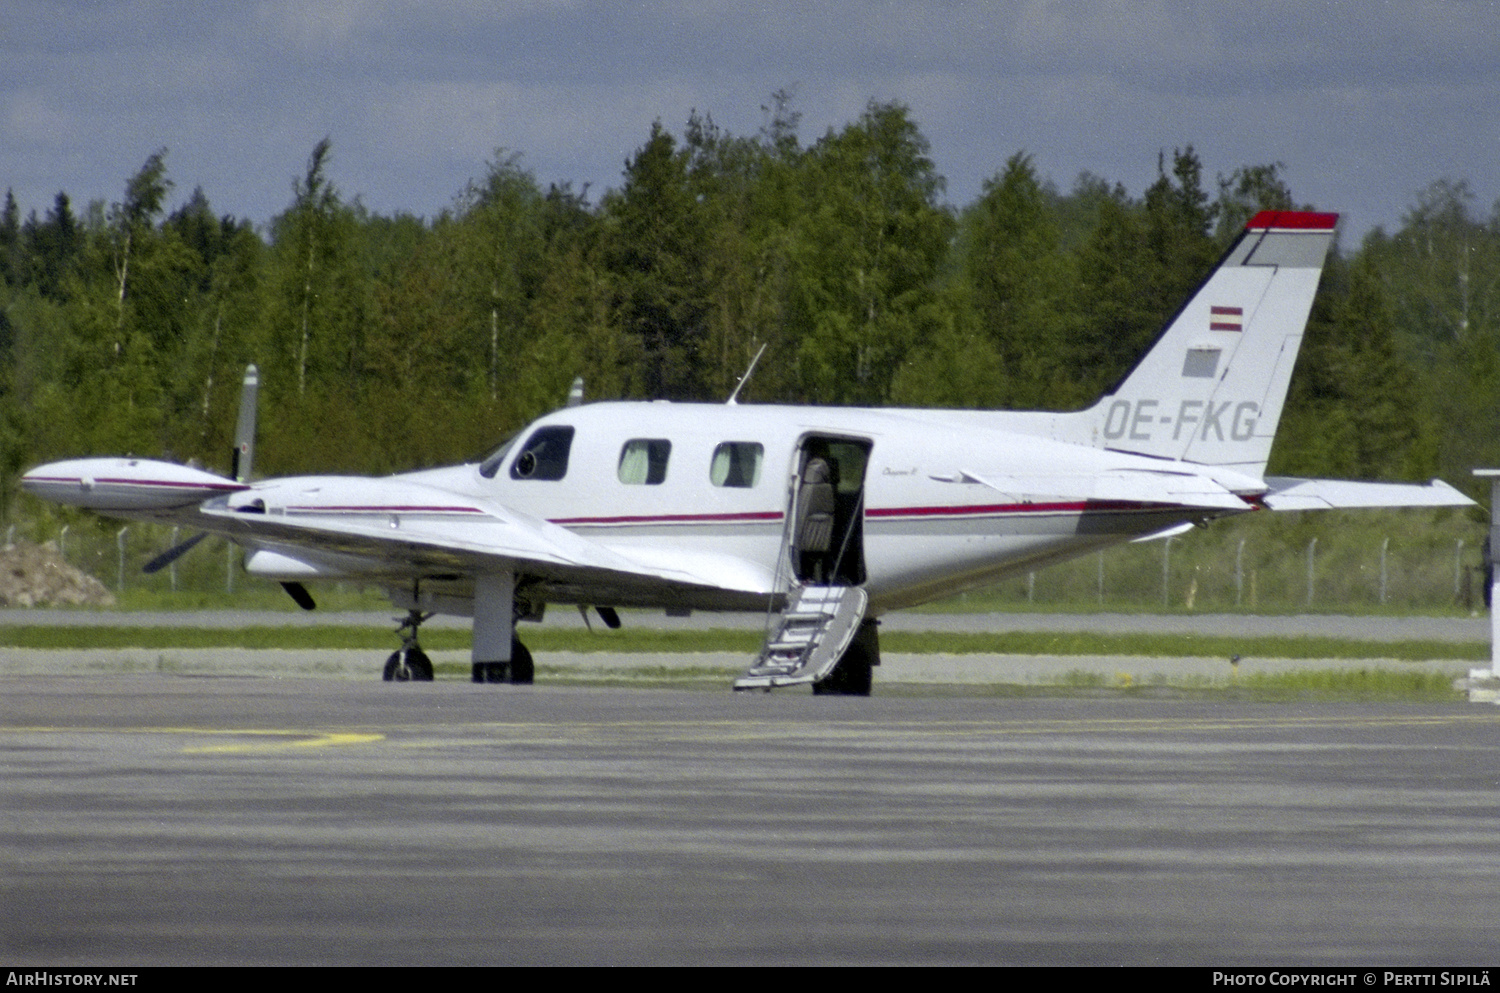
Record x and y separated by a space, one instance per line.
1211 389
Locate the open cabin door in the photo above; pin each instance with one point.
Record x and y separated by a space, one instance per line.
825 536
824 549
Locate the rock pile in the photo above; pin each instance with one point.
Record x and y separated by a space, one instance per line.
38 576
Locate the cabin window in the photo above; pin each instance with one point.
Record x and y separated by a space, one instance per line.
545 454
736 463
644 461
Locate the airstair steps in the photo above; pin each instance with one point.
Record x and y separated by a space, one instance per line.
808 637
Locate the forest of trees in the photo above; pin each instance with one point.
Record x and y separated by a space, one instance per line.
390 343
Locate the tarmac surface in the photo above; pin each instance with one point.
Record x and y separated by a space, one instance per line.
164 820
218 810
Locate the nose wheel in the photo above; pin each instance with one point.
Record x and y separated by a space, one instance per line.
409 664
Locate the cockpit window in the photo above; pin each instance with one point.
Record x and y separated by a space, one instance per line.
545 454
736 463
491 463
644 460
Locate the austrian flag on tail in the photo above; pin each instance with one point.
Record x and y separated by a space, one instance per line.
1226 318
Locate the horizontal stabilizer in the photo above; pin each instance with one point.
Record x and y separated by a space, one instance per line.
1287 493
1176 489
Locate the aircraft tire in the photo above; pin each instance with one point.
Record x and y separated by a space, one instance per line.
418 667
519 671
522 669
851 677
491 672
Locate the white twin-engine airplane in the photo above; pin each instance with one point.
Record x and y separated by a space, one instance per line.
825 518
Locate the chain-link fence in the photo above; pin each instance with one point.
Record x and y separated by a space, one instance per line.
1331 562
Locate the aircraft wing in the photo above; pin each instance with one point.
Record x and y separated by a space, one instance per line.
1288 493
414 528
393 528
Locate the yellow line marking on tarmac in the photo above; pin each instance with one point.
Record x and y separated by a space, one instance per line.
792 728
307 739
556 732
303 739
1192 724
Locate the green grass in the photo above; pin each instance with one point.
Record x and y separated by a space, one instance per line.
746 642
1311 685
1357 684
1364 684
249 594
1043 643
1354 684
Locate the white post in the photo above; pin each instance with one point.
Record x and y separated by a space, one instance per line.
1458 570
1239 574
1311 550
1384 545
1494 545
120 541
1166 572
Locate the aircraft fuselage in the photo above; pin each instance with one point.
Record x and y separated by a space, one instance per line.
928 526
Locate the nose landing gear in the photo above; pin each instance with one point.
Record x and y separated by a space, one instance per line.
409 664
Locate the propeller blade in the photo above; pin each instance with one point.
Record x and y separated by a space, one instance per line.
172 554
299 593
242 459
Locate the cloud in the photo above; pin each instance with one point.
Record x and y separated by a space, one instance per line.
1364 102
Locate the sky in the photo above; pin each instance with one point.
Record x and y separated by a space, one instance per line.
1364 103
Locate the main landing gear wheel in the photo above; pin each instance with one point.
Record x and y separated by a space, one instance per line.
408 665
519 671
852 675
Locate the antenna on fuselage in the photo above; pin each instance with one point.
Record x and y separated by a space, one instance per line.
575 394
746 376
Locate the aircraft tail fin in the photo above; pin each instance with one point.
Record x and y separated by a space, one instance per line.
1211 390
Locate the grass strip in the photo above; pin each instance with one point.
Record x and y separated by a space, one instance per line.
1307 685
747 642
1176 645
1322 685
